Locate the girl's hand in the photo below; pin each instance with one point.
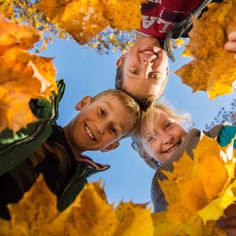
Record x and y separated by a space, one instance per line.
228 222
231 44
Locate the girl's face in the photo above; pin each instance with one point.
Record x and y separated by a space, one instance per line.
161 136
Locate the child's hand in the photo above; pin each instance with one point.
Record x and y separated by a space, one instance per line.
227 133
228 222
231 44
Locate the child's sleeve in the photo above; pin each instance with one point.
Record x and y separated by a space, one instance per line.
226 134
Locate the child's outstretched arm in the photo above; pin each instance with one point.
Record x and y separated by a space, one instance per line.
231 44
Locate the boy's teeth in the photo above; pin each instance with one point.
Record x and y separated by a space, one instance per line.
88 131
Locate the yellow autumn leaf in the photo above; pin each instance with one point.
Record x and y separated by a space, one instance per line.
179 42
90 214
36 209
212 68
83 19
134 219
6 9
214 210
163 226
200 196
12 35
123 15
23 76
53 9
208 155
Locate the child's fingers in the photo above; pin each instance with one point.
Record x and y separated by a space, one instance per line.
230 46
232 36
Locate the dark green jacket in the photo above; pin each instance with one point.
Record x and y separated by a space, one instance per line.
18 155
15 148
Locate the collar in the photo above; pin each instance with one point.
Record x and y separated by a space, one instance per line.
87 160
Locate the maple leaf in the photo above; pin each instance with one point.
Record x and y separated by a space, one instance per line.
215 209
37 208
12 35
90 214
23 76
84 19
209 70
134 219
123 15
196 196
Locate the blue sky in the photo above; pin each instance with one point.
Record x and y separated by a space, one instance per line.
87 73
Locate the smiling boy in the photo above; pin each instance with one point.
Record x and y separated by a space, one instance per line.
101 123
143 71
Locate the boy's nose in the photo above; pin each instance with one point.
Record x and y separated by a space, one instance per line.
147 58
100 126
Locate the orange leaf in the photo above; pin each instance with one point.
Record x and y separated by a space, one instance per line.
213 68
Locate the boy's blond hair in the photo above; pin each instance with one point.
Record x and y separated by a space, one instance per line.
146 119
130 104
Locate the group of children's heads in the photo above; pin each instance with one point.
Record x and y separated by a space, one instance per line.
103 120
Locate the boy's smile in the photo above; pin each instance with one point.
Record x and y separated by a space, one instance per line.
99 124
89 132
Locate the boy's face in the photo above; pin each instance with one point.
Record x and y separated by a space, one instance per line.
145 68
100 124
162 137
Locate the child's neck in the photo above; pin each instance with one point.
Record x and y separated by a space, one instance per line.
75 149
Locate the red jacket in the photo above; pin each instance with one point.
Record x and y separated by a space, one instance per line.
158 16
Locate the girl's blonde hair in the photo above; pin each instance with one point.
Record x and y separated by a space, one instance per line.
146 119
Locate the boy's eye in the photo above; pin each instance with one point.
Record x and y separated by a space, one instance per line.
152 75
113 130
101 112
133 70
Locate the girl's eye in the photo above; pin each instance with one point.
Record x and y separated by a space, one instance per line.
102 112
169 124
152 75
150 138
133 70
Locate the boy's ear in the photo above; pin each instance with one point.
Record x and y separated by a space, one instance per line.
121 60
111 147
84 102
